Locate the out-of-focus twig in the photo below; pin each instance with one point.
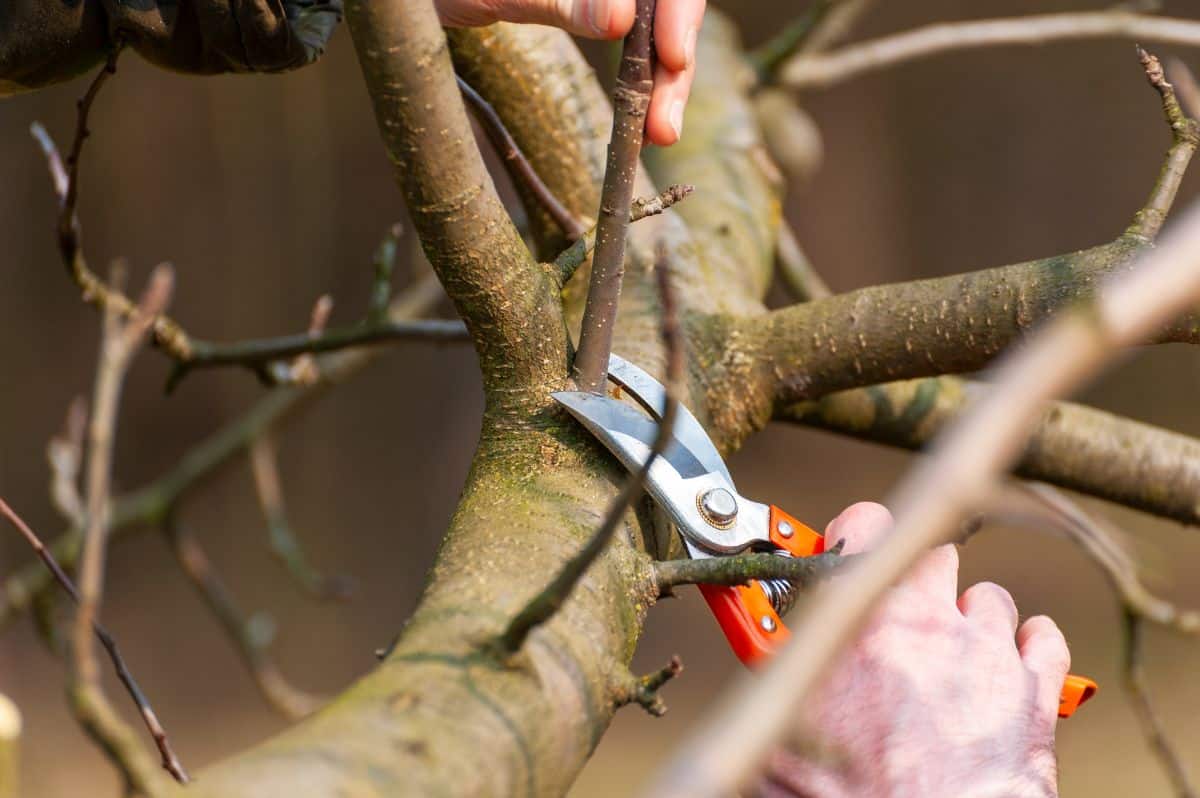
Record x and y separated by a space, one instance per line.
264 465
120 342
796 270
819 70
543 606
1139 691
252 644
65 454
137 769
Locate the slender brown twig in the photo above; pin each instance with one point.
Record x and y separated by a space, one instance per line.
506 147
252 644
574 256
65 455
631 98
543 606
131 757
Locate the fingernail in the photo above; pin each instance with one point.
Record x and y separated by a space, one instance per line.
675 117
689 46
598 16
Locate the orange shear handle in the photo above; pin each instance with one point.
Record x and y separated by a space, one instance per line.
754 630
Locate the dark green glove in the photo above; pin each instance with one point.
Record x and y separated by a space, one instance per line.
46 41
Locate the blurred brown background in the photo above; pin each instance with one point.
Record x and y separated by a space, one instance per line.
268 191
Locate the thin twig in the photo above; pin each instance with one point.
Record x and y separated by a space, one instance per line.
543 606
252 644
137 768
1185 136
121 341
303 370
1139 692
815 71
631 98
743 568
385 266
256 353
147 507
519 165
284 544
65 177
574 256
767 57
644 690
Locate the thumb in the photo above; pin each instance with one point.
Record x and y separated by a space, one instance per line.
594 19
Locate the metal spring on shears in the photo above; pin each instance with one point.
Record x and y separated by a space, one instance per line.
780 592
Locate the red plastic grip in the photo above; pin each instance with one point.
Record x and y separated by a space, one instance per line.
751 625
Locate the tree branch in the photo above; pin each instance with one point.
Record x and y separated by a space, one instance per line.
821 70
1139 691
545 604
264 465
1070 445
518 165
148 506
120 342
247 635
574 256
137 769
644 690
741 569
631 98
509 305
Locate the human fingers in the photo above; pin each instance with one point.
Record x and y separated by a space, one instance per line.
664 117
676 28
859 527
990 607
594 19
1044 651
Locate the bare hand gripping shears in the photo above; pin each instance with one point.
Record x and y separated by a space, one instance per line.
692 484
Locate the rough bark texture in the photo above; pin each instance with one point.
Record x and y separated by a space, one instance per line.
1073 446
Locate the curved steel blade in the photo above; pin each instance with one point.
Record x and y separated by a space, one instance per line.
676 478
651 395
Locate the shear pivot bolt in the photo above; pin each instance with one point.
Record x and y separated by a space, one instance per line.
718 507
785 529
767 623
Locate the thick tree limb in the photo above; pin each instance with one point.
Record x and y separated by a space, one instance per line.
631 98
817 71
545 604
509 305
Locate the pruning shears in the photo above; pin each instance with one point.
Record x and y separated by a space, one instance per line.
692 484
